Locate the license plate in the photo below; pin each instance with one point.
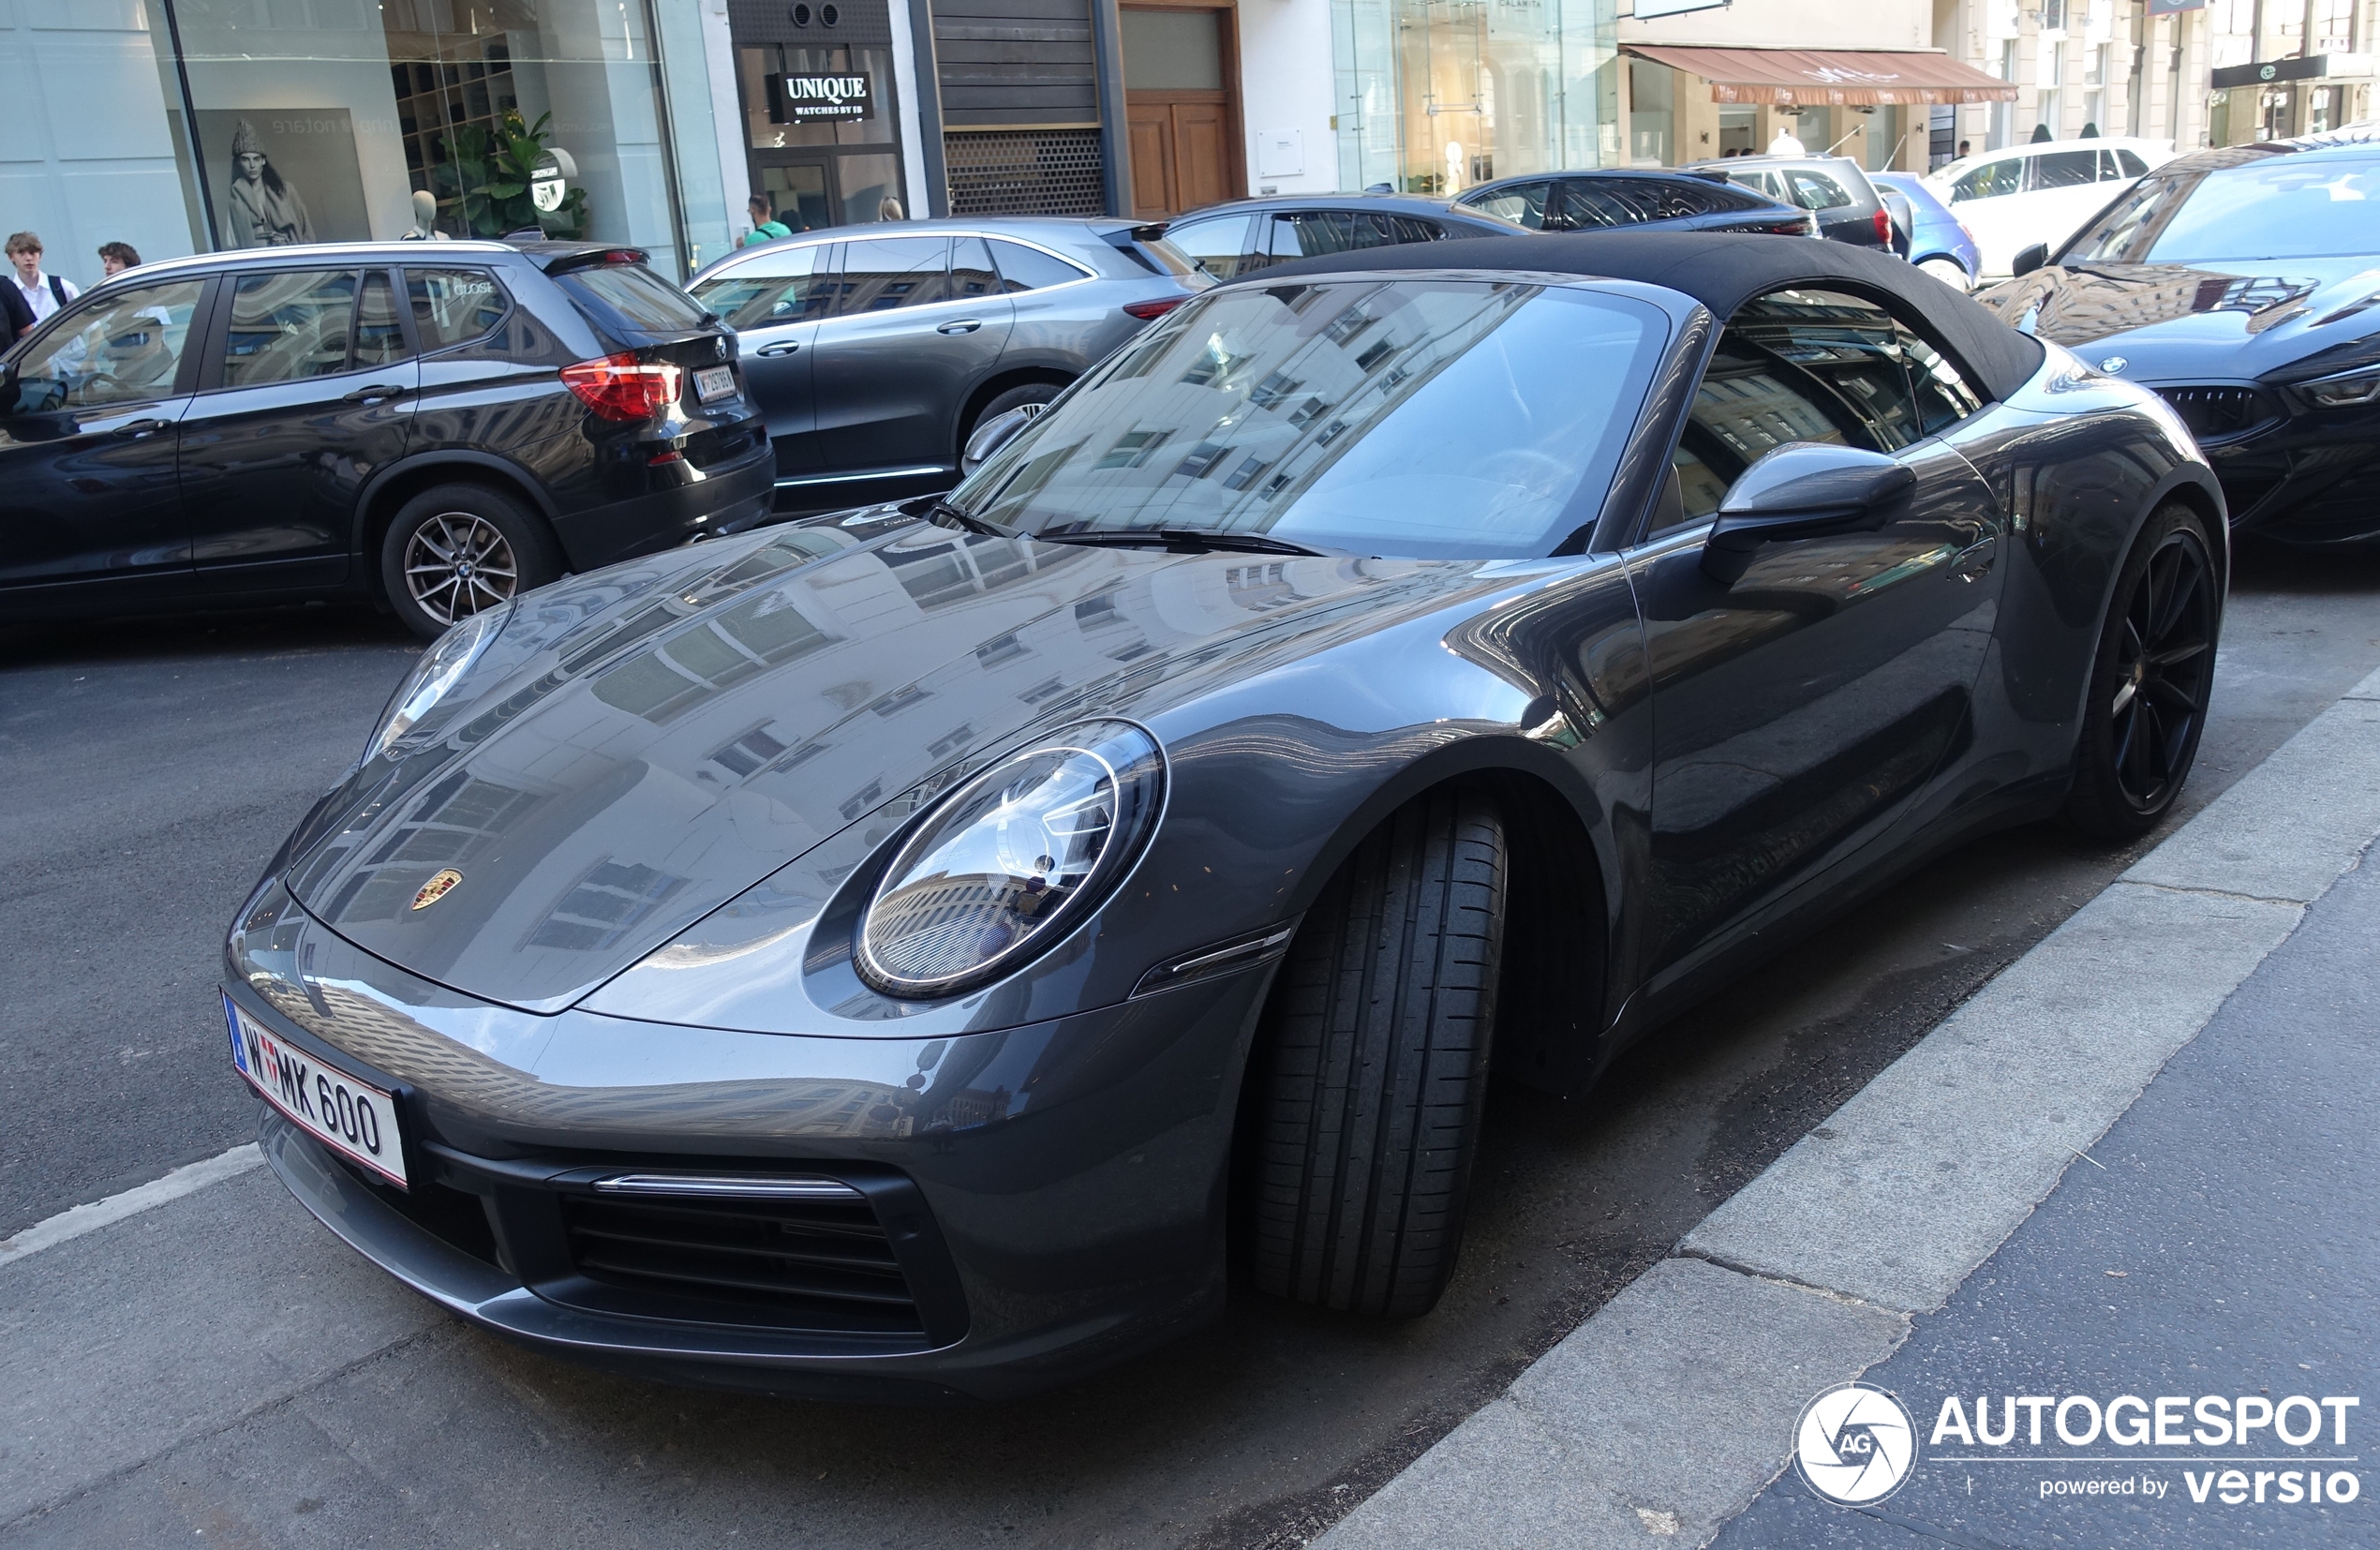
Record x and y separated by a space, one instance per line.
351 1117
714 383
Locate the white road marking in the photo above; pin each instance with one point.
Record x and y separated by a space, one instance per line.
93 1215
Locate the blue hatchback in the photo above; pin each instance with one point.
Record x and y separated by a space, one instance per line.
1941 245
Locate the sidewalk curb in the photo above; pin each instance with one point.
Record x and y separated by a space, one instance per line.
1664 1414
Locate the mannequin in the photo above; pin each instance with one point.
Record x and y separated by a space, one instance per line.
424 220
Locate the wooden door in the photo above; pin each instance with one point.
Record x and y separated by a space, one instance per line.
1149 133
1182 106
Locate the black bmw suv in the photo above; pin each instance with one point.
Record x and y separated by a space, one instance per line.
435 425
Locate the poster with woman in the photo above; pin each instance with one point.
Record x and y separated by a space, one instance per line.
284 175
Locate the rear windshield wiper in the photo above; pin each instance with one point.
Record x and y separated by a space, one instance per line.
1182 538
948 515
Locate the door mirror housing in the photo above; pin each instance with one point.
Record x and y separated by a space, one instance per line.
996 433
1803 489
2030 259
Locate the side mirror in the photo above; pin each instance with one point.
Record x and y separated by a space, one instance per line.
996 433
1802 490
2030 259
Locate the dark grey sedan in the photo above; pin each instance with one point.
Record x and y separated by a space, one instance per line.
874 352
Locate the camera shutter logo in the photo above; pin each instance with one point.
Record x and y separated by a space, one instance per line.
1855 1444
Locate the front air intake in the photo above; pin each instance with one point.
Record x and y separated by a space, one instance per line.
2219 412
823 1264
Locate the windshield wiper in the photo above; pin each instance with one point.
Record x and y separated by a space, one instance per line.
1182 538
948 515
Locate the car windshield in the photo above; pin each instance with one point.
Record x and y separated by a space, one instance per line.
2275 207
1429 419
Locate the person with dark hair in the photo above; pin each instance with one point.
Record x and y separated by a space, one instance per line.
267 211
766 226
36 294
117 257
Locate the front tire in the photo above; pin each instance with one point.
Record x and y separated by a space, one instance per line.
454 550
1374 1062
2149 681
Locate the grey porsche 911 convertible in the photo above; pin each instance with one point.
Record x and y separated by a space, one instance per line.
913 952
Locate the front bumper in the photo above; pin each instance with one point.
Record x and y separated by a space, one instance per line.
1054 1193
2303 477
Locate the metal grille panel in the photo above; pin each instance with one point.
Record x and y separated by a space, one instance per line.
1025 172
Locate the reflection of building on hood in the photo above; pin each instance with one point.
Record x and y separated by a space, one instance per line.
265 212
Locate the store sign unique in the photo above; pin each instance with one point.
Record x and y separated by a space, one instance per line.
828 98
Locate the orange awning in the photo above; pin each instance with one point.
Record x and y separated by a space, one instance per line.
1805 78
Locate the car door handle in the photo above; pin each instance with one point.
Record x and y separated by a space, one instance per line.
373 395
964 325
142 428
782 347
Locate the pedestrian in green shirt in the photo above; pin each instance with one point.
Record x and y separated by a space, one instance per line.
766 226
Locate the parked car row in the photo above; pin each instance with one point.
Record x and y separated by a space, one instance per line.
440 430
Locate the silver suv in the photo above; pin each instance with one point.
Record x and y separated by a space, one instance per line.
875 351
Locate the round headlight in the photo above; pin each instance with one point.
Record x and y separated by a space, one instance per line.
1007 862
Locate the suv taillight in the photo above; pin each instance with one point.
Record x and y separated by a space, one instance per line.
1883 226
623 388
1149 311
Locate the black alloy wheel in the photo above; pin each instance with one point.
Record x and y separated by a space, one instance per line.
2150 682
456 550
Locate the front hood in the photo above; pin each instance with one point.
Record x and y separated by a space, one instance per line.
665 745
2181 322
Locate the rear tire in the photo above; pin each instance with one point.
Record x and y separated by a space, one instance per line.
1374 1062
454 550
2147 704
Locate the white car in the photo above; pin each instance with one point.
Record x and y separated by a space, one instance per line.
2012 198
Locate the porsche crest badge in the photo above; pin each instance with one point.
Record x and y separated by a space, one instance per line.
437 888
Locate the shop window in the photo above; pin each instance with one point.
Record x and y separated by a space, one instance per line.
318 122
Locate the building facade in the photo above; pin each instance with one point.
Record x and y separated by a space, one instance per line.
1863 79
2283 68
2081 67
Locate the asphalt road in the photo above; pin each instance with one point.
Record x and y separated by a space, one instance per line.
149 769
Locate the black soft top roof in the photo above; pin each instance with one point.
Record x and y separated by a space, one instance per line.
1722 269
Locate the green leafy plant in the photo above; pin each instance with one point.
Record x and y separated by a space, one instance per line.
482 185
